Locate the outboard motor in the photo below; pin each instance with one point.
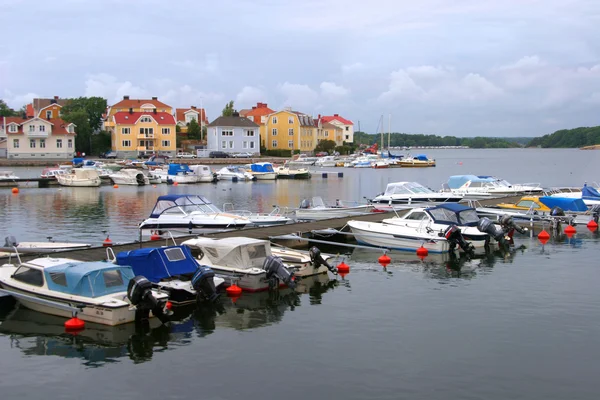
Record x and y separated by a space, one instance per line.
305 203
276 272
10 241
595 213
557 212
508 225
204 284
486 226
454 236
139 293
317 259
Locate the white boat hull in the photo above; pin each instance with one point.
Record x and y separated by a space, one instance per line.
266 176
65 181
331 212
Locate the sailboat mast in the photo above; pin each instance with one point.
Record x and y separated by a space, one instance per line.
381 123
389 131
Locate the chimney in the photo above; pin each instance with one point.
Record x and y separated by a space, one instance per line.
55 97
193 107
235 113
336 115
130 110
155 98
319 117
125 97
155 111
254 107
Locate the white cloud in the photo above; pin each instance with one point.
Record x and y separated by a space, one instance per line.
332 91
298 96
248 96
16 101
352 68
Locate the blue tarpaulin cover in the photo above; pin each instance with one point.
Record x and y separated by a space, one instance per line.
566 203
589 193
175 169
88 279
262 167
160 263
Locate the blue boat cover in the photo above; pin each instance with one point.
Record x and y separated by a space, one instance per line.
174 169
566 203
160 263
88 279
589 193
262 167
421 157
453 214
457 181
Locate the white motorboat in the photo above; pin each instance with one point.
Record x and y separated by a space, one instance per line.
176 173
275 217
190 213
51 173
400 194
263 171
234 173
418 161
129 176
80 177
307 263
302 160
7 176
203 173
246 262
154 179
588 194
11 245
315 209
290 173
326 161
94 291
472 186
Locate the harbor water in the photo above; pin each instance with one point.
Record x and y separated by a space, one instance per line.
522 324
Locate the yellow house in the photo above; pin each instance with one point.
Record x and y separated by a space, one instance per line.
289 130
141 126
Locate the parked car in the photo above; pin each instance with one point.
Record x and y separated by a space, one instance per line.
109 154
322 154
218 154
184 154
242 155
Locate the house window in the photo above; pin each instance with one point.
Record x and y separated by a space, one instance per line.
125 131
290 120
274 131
12 128
126 143
148 132
347 128
145 119
227 133
42 128
32 143
274 120
71 129
16 143
166 131
70 143
31 128
291 144
251 145
224 144
347 137
244 145
191 116
291 132
231 144
166 143
326 133
42 143
263 119
48 114
59 143
274 143
249 132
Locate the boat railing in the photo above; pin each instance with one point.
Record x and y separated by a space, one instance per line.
110 255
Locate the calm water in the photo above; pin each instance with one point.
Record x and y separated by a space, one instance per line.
519 325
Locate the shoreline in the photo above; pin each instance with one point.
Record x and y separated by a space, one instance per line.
189 161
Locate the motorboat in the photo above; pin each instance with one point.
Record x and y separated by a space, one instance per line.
174 270
380 164
588 194
177 173
234 173
290 173
153 178
483 186
326 161
275 217
437 219
263 171
400 194
7 176
203 173
302 160
51 173
99 166
190 213
11 245
408 238
315 209
306 263
418 161
129 176
80 177
244 261
99 292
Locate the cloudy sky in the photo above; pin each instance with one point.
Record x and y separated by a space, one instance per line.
449 67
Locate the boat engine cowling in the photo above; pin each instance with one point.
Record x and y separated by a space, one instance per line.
317 259
557 212
486 226
276 271
139 293
454 236
595 210
507 223
204 284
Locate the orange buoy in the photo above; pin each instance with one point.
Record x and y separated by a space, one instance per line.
343 268
543 240
169 305
74 324
155 236
570 230
175 183
15 190
116 186
543 235
422 251
592 225
234 290
384 260
107 242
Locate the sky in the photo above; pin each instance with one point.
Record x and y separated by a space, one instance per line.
446 67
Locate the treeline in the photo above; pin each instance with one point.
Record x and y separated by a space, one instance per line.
578 137
408 140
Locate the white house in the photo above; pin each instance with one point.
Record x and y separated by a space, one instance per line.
38 138
233 134
346 125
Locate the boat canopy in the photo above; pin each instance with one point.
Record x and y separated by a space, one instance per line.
234 252
201 170
457 181
87 173
406 188
566 203
88 279
262 167
589 193
175 169
160 263
422 157
454 214
182 204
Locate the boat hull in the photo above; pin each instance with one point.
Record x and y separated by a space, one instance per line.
332 212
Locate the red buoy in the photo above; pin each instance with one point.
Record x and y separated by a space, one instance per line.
570 230
343 268
115 186
175 183
384 260
422 252
592 225
74 324
169 305
155 236
15 190
234 290
543 235
107 242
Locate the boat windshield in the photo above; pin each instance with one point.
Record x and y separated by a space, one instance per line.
468 217
406 188
184 205
317 202
442 215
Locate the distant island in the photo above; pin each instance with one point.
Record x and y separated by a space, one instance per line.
584 137
419 140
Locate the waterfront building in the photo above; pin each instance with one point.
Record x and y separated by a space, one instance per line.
233 134
258 114
344 124
140 126
289 130
184 116
328 131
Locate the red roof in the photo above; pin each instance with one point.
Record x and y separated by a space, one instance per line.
29 110
59 127
336 117
180 114
126 118
259 110
136 103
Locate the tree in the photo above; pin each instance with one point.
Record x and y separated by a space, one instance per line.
325 145
6 111
193 130
82 129
93 106
228 110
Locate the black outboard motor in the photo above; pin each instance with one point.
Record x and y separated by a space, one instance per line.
139 293
486 226
507 223
557 212
317 259
204 284
454 236
276 272
595 213
10 241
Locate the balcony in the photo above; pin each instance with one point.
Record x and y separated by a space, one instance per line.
145 148
145 136
37 134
